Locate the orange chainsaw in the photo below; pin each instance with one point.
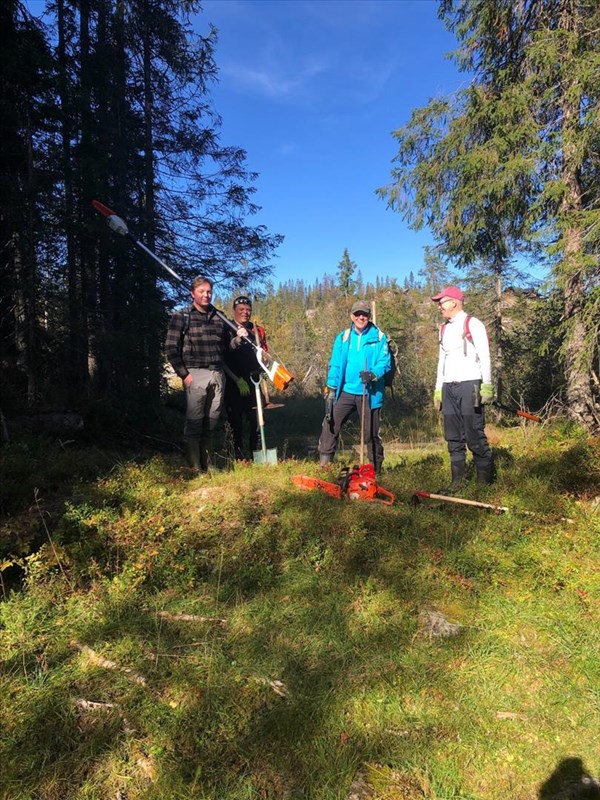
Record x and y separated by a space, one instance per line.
357 483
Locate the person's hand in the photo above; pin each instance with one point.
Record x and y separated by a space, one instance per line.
367 376
241 331
487 393
243 387
187 381
437 399
328 390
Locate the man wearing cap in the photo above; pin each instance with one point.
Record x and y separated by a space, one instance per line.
197 340
359 360
463 386
241 365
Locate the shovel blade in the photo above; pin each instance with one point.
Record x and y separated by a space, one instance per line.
265 456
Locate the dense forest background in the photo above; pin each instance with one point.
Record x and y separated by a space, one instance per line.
111 101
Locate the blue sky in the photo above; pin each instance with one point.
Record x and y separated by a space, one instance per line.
312 89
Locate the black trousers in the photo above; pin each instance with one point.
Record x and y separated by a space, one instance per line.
464 422
345 406
239 408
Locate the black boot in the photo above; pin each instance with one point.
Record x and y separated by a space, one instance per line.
192 453
484 474
458 469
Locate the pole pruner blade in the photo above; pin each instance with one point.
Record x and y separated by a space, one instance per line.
115 222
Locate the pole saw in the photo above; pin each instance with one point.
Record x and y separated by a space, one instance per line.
517 411
418 496
276 372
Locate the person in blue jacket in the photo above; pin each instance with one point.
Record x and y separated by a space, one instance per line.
359 361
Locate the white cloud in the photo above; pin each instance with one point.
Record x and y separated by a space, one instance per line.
275 80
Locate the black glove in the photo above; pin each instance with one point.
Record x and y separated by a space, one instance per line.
329 402
367 376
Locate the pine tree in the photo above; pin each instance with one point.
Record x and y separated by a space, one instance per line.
346 270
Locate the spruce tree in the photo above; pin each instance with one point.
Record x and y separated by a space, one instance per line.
511 163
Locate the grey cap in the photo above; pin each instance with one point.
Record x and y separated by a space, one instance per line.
361 305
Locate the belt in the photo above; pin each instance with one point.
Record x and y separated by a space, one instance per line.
214 367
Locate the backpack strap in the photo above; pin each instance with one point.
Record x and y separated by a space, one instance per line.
442 329
467 336
262 337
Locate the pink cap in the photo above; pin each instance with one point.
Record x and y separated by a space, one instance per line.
452 292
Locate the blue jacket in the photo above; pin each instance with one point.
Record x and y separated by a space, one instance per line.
369 351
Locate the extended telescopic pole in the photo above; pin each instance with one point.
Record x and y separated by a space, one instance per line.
276 372
418 496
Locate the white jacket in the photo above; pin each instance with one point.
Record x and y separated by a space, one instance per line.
459 358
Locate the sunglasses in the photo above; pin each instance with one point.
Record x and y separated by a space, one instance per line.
361 314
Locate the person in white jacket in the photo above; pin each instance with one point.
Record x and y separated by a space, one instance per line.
463 386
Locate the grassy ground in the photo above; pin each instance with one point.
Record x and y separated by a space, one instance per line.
231 636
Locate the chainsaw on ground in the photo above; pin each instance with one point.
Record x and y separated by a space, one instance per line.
356 483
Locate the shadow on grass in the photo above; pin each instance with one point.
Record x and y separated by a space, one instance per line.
574 468
570 781
321 596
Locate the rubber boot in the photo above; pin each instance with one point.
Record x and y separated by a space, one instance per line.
193 455
207 453
484 474
458 469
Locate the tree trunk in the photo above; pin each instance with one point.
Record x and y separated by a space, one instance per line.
498 364
576 352
77 363
152 348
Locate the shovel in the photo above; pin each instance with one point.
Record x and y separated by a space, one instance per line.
262 456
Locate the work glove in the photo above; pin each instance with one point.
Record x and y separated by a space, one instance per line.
487 393
437 399
243 387
367 376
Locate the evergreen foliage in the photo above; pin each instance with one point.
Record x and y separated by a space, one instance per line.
346 269
111 101
509 165
302 322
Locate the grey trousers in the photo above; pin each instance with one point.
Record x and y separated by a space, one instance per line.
204 403
464 423
345 406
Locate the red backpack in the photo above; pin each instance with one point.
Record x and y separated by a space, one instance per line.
467 336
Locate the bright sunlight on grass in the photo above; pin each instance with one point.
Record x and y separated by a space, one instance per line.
234 637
